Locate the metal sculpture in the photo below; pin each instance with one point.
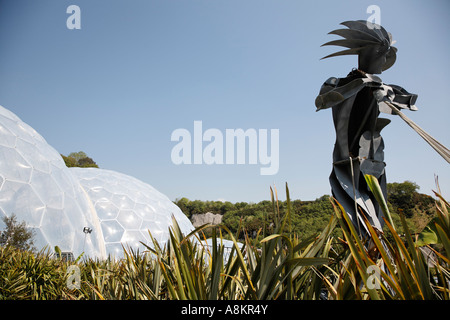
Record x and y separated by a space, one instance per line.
356 103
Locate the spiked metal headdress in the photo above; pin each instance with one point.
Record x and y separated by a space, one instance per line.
359 36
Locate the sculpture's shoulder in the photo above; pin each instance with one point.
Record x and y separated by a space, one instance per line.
326 93
335 90
328 85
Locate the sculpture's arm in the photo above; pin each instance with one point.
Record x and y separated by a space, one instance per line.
393 98
332 94
395 95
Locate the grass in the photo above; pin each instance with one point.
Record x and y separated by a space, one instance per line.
281 266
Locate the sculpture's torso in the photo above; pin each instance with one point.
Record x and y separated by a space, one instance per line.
356 103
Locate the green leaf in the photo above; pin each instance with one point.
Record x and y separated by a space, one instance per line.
272 236
428 234
419 267
308 261
243 264
356 247
58 251
444 238
374 186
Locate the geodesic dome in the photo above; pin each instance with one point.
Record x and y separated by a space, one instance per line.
128 209
38 188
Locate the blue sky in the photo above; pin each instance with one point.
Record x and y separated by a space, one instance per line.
137 70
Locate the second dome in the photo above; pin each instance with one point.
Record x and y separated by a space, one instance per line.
128 209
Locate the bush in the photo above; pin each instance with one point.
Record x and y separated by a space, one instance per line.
79 159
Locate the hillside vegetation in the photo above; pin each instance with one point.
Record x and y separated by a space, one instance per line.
310 217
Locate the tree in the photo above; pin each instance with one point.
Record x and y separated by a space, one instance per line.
77 155
183 204
402 188
87 162
401 195
70 162
79 159
16 234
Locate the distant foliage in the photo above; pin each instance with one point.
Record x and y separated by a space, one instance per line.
191 207
79 159
418 208
309 217
401 195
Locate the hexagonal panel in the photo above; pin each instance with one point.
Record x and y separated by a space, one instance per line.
21 199
114 249
106 210
8 138
63 234
144 210
31 151
13 166
47 189
122 201
129 219
112 231
132 239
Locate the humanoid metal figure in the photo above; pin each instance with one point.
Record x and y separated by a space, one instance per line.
356 103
